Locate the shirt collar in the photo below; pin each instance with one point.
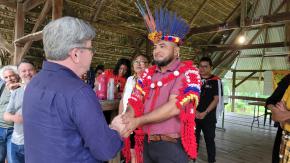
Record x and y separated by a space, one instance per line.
172 66
51 66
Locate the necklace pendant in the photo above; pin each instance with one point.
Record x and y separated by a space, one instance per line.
176 73
159 83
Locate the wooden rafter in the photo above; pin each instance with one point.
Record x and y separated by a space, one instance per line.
250 46
280 18
212 37
57 6
31 4
201 7
5 45
246 78
35 36
98 11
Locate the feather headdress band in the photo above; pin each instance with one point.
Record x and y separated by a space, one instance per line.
166 25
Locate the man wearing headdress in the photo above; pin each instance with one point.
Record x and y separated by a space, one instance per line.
163 104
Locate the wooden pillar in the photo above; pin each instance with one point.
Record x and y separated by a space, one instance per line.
233 90
57 6
19 31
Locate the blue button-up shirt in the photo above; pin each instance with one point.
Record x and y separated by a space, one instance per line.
63 120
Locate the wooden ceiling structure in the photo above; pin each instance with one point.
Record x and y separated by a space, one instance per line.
121 31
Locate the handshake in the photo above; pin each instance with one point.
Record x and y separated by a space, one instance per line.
124 124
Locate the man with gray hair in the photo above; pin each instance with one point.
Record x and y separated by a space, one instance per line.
10 76
63 120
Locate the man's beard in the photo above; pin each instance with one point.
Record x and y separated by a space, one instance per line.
165 62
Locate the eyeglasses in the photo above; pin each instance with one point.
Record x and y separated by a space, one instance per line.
140 62
90 49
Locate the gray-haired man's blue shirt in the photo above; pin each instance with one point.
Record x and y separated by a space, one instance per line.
63 120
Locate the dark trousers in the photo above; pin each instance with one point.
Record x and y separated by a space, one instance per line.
164 152
276 147
208 130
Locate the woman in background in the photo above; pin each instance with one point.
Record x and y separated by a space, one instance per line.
140 62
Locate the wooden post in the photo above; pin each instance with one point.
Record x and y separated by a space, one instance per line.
233 90
19 31
57 6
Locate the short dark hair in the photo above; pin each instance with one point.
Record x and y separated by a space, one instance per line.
25 61
206 59
100 67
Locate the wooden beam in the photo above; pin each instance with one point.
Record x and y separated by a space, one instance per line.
19 31
280 6
246 78
250 46
31 4
5 45
233 91
201 7
57 6
35 36
243 13
30 37
249 70
279 18
265 56
100 5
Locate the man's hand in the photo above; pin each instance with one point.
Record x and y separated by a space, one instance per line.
131 123
200 115
118 125
280 112
12 86
17 118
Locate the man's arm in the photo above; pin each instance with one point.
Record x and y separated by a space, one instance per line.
10 115
159 114
211 107
103 142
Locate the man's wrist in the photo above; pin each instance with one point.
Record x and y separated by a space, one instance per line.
206 111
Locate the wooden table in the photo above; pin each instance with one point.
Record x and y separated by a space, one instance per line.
112 105
257 105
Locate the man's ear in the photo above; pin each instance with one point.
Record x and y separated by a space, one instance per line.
74 55
176 51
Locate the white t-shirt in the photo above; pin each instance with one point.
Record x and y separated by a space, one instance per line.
130 84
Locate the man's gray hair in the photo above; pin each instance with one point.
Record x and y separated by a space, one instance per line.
63 34
8 68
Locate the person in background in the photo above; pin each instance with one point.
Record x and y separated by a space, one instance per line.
206 110
63 119
13 111
272 103
10 76
121 72
99 70
140 62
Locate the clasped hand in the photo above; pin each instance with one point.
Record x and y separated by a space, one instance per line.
124 124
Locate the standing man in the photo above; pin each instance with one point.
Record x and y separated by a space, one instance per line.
163 105
206 111
13 111
63 120
10 76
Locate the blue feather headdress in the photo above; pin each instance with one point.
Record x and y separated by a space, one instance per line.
166 25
